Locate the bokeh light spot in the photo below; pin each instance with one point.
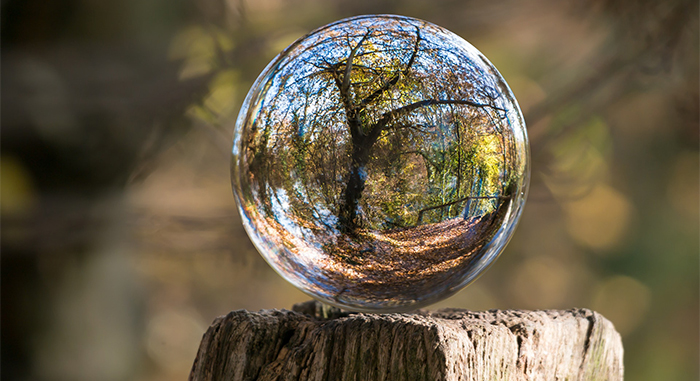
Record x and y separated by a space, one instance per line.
172 338
683 190
600 219
541 282
623 300
16 189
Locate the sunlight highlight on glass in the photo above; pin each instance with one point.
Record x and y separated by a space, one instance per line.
380 163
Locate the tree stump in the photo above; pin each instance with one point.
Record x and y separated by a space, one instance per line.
313 342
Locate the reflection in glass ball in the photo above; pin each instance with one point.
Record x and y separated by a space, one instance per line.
380 163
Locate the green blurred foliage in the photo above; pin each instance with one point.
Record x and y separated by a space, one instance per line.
120 236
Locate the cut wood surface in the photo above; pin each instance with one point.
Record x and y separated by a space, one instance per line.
313 342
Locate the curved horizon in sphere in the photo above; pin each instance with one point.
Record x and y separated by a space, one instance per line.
380 163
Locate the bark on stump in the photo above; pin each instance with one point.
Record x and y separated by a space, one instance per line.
316 343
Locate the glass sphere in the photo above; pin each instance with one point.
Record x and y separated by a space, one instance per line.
380 163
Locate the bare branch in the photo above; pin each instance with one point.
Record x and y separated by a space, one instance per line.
348 65
387 117
396 77
420 213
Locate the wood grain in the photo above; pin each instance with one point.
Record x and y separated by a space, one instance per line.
318 343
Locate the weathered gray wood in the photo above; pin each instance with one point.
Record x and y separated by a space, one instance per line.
328 344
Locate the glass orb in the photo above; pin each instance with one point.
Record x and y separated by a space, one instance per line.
380 163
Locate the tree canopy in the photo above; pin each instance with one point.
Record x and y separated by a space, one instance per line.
379 126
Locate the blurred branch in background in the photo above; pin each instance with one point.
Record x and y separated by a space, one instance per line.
120 236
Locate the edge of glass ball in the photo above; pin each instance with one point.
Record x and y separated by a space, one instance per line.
501 239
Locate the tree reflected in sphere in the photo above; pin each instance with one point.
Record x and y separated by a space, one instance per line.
380 163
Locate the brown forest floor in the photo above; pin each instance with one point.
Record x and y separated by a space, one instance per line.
408 262
390 267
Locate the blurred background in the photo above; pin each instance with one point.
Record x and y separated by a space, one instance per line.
121 241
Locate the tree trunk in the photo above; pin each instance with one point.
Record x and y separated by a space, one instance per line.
348 218
317 343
